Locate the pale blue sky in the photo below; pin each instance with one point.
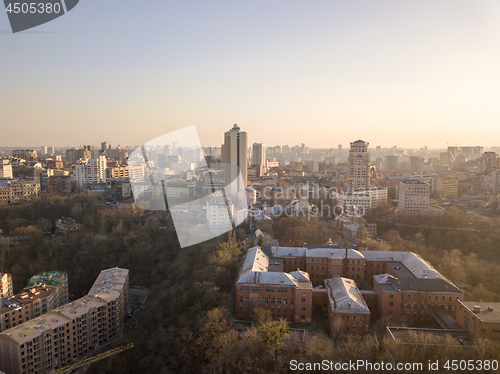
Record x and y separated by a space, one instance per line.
319 72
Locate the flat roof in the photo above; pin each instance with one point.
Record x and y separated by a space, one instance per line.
399 269
407 335
489 312
32 294
49 278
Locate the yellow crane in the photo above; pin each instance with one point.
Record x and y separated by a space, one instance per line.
93 359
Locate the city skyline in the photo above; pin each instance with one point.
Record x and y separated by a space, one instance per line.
318 73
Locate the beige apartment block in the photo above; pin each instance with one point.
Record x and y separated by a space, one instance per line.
70 332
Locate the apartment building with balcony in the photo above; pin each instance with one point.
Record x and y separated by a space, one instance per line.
18 191
69 332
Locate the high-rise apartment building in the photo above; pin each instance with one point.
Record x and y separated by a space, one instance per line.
70 332
259 154
44 292
90 171
74 154
416 163
391 162
447 187
414 196
25 154
358 166
489 161
105 146
471 153
235 153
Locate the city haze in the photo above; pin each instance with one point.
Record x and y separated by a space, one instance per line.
321 73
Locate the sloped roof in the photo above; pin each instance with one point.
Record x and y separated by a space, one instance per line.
300 275
255 261
255 270
334 252
344 295
288 251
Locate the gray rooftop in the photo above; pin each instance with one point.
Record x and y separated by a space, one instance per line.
344 295
489 312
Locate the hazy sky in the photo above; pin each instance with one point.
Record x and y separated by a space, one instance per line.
319 72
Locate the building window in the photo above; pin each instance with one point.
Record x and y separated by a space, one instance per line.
257 289
241 299
303 300
391 296
391 303
269 289
303 309
303 293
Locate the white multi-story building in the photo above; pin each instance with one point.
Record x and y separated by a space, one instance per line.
358 167
90 171
357 204
220 213
5 169
378 196
414 196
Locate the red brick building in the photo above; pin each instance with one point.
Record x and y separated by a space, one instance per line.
406 288
262 282
348 313
482 319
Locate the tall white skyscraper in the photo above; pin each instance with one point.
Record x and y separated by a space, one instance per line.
235 153
358 166
259 154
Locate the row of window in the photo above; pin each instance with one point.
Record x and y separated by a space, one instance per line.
422 297
273 300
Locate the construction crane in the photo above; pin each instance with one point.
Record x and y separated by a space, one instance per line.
93 359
